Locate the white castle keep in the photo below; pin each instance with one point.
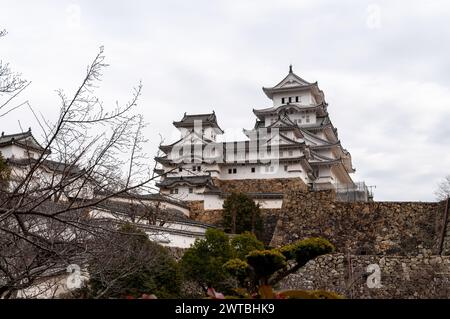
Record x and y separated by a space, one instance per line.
292 139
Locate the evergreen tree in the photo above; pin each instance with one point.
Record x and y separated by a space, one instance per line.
4 172
203 262
240 214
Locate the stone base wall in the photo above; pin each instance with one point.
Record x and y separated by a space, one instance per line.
196 208
394 228
213 217
274 185
421 276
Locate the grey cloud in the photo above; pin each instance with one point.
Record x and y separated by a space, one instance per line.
203 55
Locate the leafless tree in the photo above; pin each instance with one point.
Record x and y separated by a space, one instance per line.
89 155
118 260
11 85
443 189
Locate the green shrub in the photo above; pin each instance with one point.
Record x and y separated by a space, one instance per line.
306 249
245 243
266 262
237 268
203 262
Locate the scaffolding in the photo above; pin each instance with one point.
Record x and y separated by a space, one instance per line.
353 192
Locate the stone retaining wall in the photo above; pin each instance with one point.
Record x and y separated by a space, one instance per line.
393 228
421 276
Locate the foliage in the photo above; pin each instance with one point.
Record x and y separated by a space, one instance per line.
311 294
304 250
265 262
240 214
204 261
4 172
213 261
136 267
237 268
245 243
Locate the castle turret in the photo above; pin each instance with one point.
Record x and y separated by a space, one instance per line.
204 124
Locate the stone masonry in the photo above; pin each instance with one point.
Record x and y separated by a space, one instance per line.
395 228
401 238
421 276
275 185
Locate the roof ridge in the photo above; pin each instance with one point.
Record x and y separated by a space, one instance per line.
27 133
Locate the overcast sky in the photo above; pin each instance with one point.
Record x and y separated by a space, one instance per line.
384 67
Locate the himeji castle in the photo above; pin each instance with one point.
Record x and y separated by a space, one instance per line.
293 140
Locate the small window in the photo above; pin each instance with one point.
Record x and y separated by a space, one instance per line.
176 190
180 169
297 99
307 118
191 190
194 168
253 169
180 152
230 171
285 168
199 168
282 100
290 99
234 170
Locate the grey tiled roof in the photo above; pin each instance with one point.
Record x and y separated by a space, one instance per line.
24 139
190 180
208 119
52 165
